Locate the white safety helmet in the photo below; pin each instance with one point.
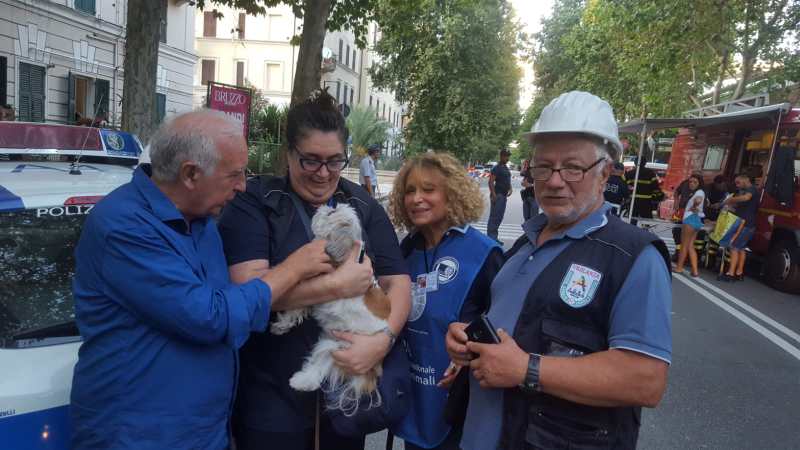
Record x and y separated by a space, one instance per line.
579 112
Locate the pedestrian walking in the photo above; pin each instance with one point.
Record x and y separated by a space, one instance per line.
499 191
530 207
587 298
367 175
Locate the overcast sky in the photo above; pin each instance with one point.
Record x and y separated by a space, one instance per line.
530 14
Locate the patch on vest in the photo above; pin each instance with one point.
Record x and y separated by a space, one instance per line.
579 285
447 268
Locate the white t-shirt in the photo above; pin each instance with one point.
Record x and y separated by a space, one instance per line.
688 211
367 169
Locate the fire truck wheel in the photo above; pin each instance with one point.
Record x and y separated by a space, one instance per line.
783 267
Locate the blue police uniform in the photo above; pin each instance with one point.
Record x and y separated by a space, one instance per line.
601 284
262 223
450 284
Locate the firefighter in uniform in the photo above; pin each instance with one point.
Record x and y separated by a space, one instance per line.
648 191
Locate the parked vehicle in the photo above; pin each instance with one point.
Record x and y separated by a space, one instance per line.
51 176
746 141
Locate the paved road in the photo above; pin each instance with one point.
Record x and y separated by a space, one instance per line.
735 378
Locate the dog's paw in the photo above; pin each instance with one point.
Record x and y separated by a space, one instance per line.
279 328
304 381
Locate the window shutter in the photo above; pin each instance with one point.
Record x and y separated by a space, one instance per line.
241 25
101 96
86 6
209 24
24 100
338 87
347 56
240 73
344 96
37 93
71 98
161 107
351 96
341 48
209 66
354 59
3 80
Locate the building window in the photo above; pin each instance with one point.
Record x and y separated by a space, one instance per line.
383 114
3 80
274 77
347 56
370 101
161 107
274 24
88 99
341 47
31 93
209 71
377 107
344 97
354 59
351 96
338 87
209 24
162 33
240 29
240 73
86 6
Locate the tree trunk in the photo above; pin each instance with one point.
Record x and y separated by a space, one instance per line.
309 57
141 63
721 77
747 68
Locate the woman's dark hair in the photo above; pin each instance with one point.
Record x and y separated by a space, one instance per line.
699 182
318 112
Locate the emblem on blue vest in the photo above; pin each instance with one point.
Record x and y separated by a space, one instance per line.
447 268
579 285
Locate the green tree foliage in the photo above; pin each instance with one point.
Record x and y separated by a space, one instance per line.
453 63
366 129
658 57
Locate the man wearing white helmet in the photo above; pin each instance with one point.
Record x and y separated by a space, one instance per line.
587 298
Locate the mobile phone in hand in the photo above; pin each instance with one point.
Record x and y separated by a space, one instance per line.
481 330
362 253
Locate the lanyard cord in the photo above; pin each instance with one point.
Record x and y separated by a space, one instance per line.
435 249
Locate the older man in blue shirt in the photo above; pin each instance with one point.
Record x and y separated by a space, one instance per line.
160 320
586 298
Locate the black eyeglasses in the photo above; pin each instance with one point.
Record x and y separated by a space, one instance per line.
570 174
313 165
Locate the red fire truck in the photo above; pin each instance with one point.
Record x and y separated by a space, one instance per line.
758 141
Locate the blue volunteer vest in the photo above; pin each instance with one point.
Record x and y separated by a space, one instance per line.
457 259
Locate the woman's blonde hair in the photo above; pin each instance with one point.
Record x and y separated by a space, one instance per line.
464 200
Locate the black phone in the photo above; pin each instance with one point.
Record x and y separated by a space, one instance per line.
481 330
362 253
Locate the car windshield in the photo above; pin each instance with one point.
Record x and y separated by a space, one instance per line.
36 269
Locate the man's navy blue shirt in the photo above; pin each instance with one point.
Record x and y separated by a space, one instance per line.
502 179
161 324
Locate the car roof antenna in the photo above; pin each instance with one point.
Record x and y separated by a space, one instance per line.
74 168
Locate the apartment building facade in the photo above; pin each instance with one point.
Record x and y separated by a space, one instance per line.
257 51
61 60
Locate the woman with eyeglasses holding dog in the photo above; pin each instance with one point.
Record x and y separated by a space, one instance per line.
264 225
452 266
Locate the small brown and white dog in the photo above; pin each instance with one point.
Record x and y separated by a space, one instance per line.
365 314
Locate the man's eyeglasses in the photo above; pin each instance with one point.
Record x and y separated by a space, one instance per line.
570 174
313 165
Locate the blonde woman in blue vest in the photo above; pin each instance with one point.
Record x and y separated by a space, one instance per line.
452 266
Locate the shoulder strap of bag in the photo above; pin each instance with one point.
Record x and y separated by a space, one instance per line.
300 210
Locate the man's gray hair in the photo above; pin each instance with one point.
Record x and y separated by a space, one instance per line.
192 137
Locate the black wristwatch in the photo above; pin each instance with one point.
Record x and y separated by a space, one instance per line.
531 383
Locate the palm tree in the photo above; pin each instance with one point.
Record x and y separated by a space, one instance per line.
366 129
